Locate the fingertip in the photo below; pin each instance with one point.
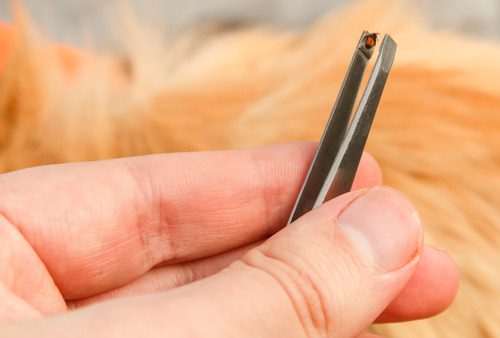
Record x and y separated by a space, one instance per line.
369 173
446 276
431 290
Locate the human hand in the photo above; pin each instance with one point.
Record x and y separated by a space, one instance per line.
184 236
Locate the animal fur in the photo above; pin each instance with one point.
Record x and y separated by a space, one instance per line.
436 136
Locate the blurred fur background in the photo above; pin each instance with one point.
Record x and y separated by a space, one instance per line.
436 135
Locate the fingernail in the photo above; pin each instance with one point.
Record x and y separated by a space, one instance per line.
384 227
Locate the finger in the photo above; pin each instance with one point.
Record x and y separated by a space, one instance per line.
97 226
164 278
431 289
369 173
330 273
351 256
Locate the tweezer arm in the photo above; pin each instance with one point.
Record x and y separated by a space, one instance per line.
335 130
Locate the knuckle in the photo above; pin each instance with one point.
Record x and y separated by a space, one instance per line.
302 285
151 224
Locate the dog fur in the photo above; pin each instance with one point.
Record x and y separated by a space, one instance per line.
436 135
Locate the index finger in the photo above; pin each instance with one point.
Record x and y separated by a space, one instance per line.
97 226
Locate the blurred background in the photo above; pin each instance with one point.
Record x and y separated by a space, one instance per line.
83 21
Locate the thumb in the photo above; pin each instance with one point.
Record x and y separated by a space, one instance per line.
331 273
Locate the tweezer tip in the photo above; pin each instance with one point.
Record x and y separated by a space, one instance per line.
388 52
366 43
388 40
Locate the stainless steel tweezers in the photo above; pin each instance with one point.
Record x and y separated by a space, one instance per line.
339 152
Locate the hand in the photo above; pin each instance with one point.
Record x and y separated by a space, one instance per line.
184 236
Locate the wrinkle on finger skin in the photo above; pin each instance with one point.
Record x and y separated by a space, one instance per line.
24 280
15 309
165 277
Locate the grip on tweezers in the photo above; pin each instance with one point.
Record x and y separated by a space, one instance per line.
337 157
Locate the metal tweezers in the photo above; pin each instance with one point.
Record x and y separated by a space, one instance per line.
339 152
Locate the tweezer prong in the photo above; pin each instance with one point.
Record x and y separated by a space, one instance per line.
337 157
335 129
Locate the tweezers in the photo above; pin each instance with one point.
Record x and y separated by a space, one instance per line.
338 155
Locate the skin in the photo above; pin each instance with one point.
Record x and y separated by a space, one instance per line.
77 238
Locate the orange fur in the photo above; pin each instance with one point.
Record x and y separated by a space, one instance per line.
436 136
